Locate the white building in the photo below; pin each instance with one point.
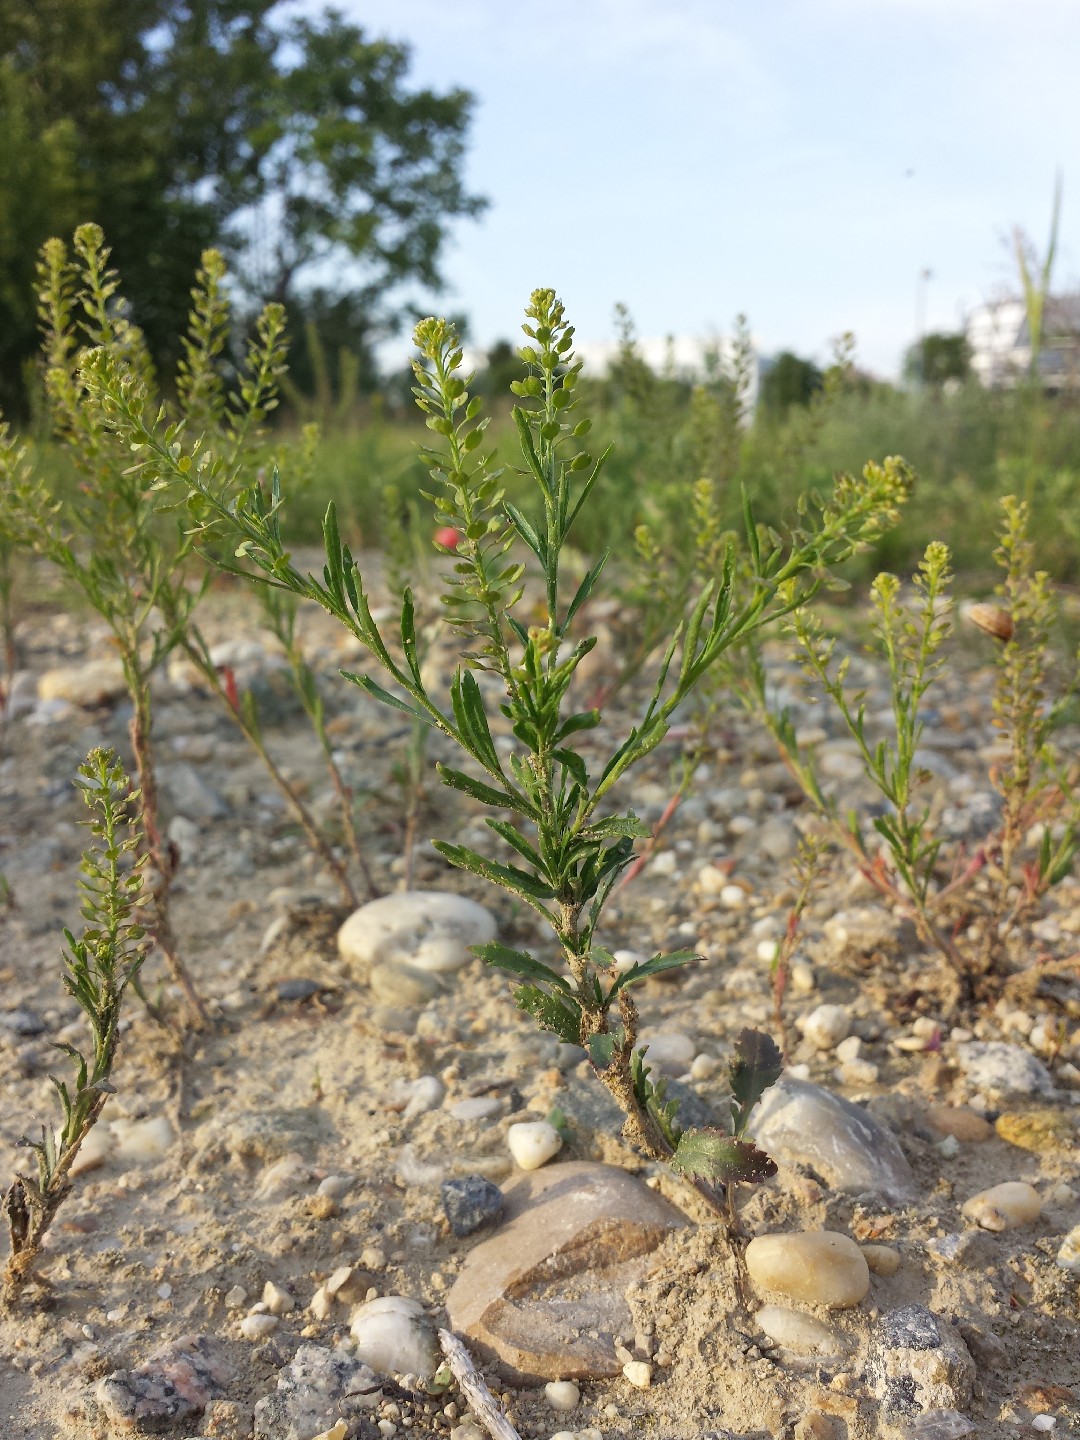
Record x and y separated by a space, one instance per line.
1000 343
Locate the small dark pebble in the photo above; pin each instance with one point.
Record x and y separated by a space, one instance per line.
470 1202
296 989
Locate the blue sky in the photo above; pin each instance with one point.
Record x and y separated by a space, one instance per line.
799 160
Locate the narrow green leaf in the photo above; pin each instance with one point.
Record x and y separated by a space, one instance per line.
384 697
507 876
486 794
517 962
655 966
584 590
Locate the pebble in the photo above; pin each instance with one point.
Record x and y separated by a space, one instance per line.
704 1067
939 1425
826 1026
416 1097
276 1300
94 1151
94 683
800 1123
1068 1257
767 950
802 1334
802 977
1041 1131
393 1335
1003 1207
918 1362
236 1298
425 929
470 1202
316 1390
562 1394
468 1431
575 1235
142 1140
176 1381
818 1267
321 1304
671 1051
959 1122
881 1259
639 1373
533 1143
404 986
734 897
258 1326
283 1177
1003 1069
479 1107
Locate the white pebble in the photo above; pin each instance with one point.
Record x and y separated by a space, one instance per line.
335 1186
533 1143
663 864
1004 1206
734 897
626 960
801 977
848 1050
320 1304
672 1051
826 1026
417 1097
704 1067
711 881
768 950
394 1336
480 1107
1043 1422
639 1373
468 1431
804 1334
142 1140
257 1327
276 1300
562 1394
236 1298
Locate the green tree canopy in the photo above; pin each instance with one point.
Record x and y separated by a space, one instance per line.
789 380
938 357
295 144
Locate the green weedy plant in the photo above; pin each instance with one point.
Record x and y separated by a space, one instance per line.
98 968
556 814
906 862
118 558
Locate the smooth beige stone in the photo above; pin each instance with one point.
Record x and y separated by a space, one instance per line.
882 1259
959 1121
90 684
1003 1207
818 1267
802 1334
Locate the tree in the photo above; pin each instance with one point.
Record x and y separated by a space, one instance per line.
788 381
295 145
938 357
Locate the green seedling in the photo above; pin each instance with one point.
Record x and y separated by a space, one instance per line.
553 793
98 968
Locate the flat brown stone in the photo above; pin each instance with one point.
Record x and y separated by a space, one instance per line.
959 1121
544 1295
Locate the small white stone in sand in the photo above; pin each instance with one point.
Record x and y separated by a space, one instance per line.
236 1298
533 1143
704 1067
373 1257
626 960
734 897
394 1336
826 1026
663 864
320 1303
767 950
801 977
257 1327
276 1300
562 1394
1004 1206
848 1049
142 1140
639 1373
468 1431
1043 1422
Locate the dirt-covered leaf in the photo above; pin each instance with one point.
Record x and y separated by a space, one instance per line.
517 962
562 1018
712 1155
